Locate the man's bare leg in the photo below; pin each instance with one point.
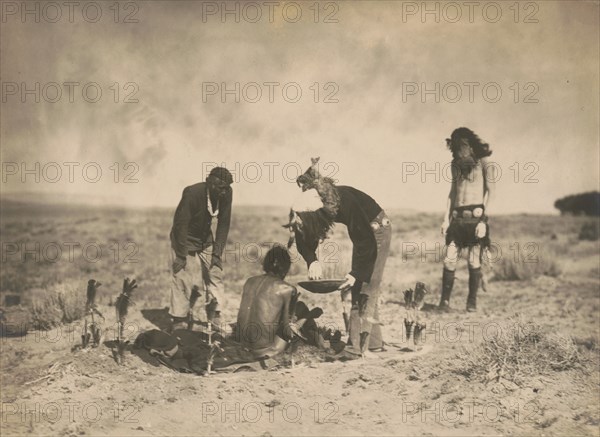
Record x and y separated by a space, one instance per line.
450 260
474 277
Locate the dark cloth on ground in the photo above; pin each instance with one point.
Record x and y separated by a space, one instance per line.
189 351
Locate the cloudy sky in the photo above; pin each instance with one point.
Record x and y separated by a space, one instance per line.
363 106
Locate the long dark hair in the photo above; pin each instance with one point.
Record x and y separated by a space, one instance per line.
308 228
480 149
277 261
315 225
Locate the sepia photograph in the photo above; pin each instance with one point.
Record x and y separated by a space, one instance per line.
299 218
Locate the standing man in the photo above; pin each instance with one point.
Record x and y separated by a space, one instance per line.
466 221
196 255
370 231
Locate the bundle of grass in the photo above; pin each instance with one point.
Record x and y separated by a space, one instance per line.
590 231
63 304
519 351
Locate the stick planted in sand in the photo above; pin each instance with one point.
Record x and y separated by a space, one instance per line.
122 306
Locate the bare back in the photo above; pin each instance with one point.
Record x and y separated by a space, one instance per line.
264 309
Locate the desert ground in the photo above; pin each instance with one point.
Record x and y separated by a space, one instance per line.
525 364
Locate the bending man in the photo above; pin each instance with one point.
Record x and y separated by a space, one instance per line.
196 254
370 231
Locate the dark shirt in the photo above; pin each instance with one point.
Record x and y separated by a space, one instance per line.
357 210
191 224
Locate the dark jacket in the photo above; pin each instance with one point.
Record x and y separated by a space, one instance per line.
191 224
357 210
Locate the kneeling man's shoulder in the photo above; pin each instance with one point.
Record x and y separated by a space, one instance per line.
285 289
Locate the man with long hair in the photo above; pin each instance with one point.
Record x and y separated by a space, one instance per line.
197 268
465 222
369 230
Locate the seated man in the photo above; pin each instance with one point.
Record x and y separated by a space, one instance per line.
264 326
267 306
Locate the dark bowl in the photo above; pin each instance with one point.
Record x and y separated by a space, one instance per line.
322 286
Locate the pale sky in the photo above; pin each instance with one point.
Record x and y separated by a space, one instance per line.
376 61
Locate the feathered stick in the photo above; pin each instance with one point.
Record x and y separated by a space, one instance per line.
122 306
408 318
214 348
414 300
418 303
419 295
91 331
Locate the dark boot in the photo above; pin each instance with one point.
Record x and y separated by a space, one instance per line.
447 284
474 281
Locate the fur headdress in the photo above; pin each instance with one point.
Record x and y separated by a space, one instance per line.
325 186
467 149
312 214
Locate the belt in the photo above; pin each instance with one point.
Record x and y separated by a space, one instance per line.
381 221
476 212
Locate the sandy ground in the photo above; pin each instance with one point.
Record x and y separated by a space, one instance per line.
48 389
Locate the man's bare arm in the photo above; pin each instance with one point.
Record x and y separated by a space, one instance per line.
289 299
450 202
489 184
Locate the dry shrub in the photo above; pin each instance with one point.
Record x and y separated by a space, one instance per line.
64 303
509 269
590 231
14 321
520 350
